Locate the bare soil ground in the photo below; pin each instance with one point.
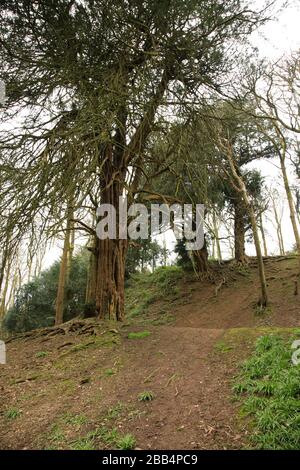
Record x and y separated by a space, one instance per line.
57 388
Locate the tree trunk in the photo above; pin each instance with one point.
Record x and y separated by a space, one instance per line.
110 289
216 233
63 272
238 180
264 296
111 258
71 245
111 253
4 260
263 235
290 200
239 230
4 292
90 297
200 259
278 230
12 292
213 249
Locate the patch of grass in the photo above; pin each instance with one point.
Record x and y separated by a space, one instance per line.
167 275
66 423
144 289
109 437
163 319
115 411
67 386
269 385
146 396
12 413
108 372
41 354
139 334
56 434
75 420
136 414
83 443
223 347
137 311
107 340
126 442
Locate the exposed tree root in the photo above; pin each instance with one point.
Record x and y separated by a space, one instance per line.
75 326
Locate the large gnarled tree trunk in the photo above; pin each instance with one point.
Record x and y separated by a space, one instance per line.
200 259
111 258
111 253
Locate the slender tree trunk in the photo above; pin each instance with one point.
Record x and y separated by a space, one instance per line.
278 230
290 199
4 260
4 292
216 233
239 182
63 273
213 250
12 291
29 263
264 296
262 231
239 230
71 245
92 273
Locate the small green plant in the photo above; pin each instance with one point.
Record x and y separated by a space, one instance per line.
126 442
146 396
56 434
75 420
223 347
12 413
84 443
137 311
139 335
41 354
109 372
115 411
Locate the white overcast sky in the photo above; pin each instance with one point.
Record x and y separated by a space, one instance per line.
278 37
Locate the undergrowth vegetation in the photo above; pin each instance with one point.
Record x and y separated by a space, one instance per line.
34 306
269 385
144 289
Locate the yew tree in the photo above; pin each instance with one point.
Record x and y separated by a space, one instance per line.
87 83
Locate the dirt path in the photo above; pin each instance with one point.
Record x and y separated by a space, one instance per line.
181 364
191 409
